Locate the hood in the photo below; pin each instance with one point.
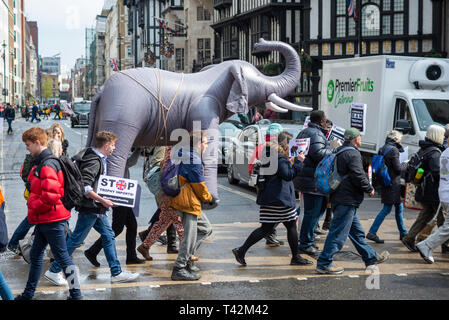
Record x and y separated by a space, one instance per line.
44 154
392 142
426 143
314 125
85 155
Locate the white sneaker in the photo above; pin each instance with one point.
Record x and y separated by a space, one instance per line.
425 252
124 276
56 278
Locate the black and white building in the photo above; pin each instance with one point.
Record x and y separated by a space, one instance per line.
324 29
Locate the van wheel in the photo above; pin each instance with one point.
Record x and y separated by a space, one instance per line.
231 178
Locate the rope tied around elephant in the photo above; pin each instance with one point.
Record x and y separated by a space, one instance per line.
163 109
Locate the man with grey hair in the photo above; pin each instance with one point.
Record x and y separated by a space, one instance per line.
345 201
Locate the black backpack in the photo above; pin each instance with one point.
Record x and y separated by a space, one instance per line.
73 182
416 162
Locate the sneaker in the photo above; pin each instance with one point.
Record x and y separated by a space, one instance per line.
191 267
56 278
330 270
382 257
410 245
373 237
425 252
16 251
6 255
183 274
124 276
320 231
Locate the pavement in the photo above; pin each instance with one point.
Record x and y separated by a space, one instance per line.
267 276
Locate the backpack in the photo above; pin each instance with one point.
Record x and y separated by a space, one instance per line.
73 182
327 178
153 180
416 162
380 170
169 179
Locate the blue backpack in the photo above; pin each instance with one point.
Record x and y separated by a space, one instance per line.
327 178
169 179
380 170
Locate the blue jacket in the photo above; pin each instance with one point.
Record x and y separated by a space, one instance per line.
279 190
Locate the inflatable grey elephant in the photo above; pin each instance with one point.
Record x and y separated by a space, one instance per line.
144 106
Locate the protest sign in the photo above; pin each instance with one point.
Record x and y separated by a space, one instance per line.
297 145
119 190
336 133
358 117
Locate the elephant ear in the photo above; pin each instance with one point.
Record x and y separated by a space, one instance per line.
238 96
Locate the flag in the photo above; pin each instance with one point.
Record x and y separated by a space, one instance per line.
114 64
351 8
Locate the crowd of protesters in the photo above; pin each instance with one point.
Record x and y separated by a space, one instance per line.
183 214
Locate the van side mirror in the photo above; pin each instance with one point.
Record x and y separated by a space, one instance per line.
404 126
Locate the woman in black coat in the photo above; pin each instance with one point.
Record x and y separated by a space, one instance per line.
391 196
277 202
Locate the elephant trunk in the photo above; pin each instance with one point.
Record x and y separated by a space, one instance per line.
287 81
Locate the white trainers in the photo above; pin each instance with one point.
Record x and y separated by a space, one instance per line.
124 276
425 252
56 278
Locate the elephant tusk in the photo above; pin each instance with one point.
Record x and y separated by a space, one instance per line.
288 105
275 108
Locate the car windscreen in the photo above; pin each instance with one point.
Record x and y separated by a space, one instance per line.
431 111
81 107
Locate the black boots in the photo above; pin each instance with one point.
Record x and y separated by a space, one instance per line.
171 240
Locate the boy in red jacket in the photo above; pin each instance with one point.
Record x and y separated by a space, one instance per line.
46 210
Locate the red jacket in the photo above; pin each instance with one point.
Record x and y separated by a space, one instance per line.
47 188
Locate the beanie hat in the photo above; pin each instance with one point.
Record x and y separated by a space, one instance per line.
274 129
351 134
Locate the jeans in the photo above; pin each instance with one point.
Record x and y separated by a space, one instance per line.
121 217
5 292
33 117
441 235
52 234
3 229
20 233
314 207
345 223
196 229
384 212
84 224
9 124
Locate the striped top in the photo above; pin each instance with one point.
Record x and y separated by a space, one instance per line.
276 214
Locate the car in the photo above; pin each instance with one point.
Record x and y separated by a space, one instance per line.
80 115
228 131
242 148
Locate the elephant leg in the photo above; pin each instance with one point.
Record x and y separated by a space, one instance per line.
204 115
126 135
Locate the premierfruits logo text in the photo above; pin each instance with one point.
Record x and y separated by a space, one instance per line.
342 92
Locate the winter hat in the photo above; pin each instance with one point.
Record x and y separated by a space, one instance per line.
273 131
351 134
435 133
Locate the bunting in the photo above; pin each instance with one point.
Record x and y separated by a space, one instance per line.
114 63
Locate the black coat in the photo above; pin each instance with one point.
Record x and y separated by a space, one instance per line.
319 148
280 190
427 191
91 168
392 194
351 189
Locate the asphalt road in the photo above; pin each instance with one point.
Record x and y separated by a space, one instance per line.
268 275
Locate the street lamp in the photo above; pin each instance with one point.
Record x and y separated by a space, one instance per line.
4 71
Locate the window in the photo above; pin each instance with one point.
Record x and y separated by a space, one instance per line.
129 51
390 14
179 59
431 111
230 42
202 14
260 28
343 22
203 50
402 112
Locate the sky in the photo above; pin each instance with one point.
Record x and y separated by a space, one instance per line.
61 26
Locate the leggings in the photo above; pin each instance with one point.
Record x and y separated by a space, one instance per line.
167 216
267 228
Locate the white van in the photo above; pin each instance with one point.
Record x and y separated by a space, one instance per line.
403 93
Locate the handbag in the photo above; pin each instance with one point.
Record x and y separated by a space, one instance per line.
153 180
409 198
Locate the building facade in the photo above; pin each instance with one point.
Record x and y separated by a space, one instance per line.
4 52
327 29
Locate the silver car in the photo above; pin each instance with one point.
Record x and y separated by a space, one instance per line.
243 147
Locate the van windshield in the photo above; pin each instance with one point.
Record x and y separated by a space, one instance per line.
430 111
